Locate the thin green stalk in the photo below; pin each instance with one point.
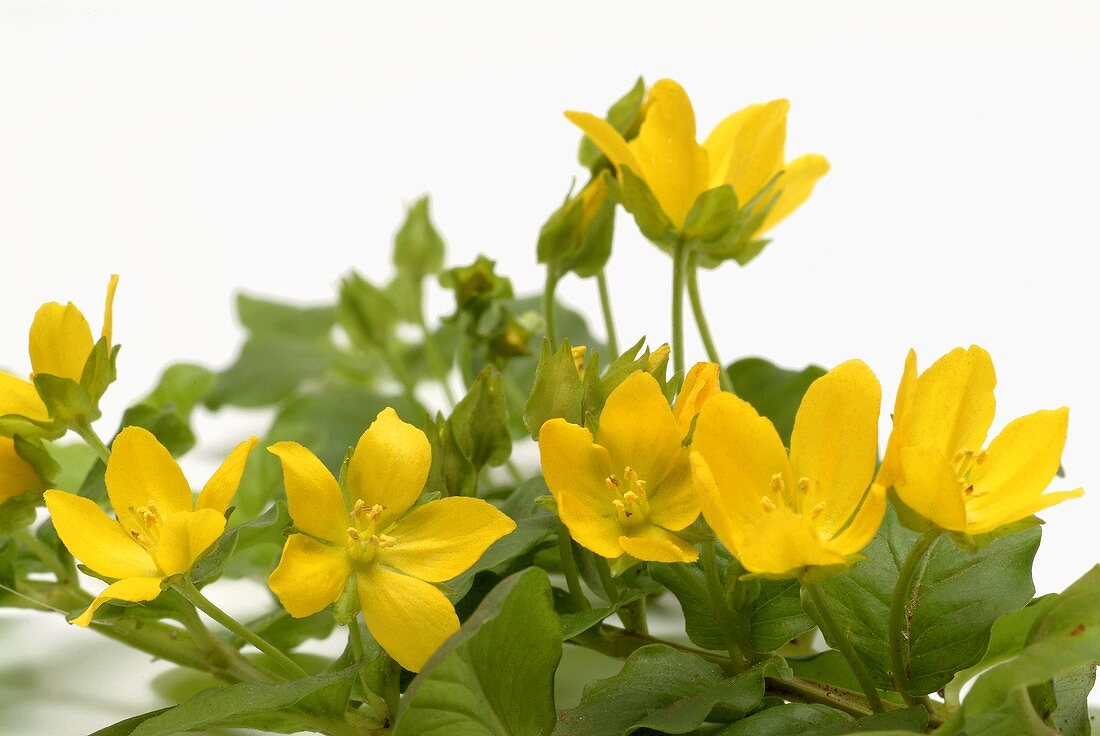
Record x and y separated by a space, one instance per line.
42 551
678 255
355 640
188 590
548 305
634 616
465 356
435 362
898 623
718 603
839 638
607 582
569 568
608 318
89 435
701 320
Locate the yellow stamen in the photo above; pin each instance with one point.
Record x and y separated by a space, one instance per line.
353 533
768 504
777 484
816 512
804 485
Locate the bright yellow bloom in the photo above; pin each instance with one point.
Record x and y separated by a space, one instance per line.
60 343
394 551
16 474
160 531
629 493
935 461
700 384
746 151
793 515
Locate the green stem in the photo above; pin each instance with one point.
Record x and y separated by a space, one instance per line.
569 568
718 604
839 638
678 254
898 624
465 354
701 320
188 590
608 319
435 361
86 433
607 582
548 305
634 618
42 551
355 640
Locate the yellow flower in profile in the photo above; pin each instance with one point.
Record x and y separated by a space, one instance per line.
700 384
160 531
800 514
745 151
935 459
17 476
395 551
60 343
628 490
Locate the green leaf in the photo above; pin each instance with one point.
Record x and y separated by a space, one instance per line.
907 720
127 726
1064 640
773 391
831 668
268 528
418 248
784 720
951 611
181 388
264 317
665 690
495 677
480 421
625 116
267 370
451 473
367 313
232 705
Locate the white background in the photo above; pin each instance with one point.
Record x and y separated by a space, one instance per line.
200 148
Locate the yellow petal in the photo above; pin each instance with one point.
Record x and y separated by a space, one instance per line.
654 544
999 516
784 544
722 141
21 397
759 149
17 476
97 540
183 537
572 462
890 469
794 186
313 495
672 163
714 510
310 575
60 341
834 444
673 504
953 405
700 383
389 466
108 308
864 525
606 138
639 430
442 539
742 453
133 590
219 490
592 521
409 618
930 487
142 473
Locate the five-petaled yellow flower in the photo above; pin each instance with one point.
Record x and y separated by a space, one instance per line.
804 513
746 151
160 529
935 461
627 491
17 476
394 551
60 343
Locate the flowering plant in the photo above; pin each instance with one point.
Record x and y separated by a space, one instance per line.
464 589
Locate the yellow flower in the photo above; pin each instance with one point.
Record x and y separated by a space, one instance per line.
160 531
629 493
16 474
792 515
746 151
700 384
935 461
60 343
394 551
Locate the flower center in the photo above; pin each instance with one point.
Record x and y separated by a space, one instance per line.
630 500
795 500
364 536
146 521
964 462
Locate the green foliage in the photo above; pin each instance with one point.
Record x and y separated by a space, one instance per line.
495 676
480 421
956 599
774 392
418 248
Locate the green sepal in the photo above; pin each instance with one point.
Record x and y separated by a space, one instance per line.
451 473
65 399
713 214
640 202
19 512
476 286
99 371
557 391
346 608
39 458
480 421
